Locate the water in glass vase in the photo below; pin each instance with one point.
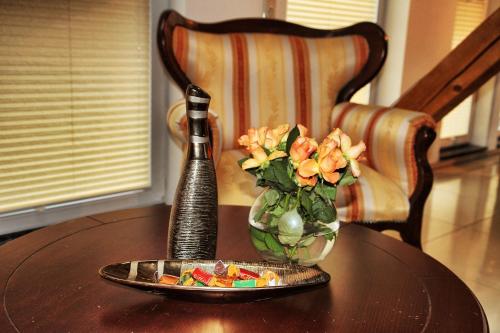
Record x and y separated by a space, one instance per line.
290 240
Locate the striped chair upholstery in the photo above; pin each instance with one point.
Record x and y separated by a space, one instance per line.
389 134
262 78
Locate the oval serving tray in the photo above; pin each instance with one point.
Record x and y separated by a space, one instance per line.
144 275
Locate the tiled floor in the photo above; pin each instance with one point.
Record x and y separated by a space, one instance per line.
462 228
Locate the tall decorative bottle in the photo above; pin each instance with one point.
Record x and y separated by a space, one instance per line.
192 230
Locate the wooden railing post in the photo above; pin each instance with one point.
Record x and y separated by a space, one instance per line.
459 74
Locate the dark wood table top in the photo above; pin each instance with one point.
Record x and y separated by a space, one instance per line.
49 283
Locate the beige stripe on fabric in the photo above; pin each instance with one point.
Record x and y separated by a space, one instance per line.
270 67
74 100
253 81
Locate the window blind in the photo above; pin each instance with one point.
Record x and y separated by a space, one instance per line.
331 14
74 100
468 15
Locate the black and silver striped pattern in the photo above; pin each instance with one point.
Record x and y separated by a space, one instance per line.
193 220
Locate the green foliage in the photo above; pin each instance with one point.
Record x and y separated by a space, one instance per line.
326 192
294 134
276 176
271 197
347 179
274 245
324 211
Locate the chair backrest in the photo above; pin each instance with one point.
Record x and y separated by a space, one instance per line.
267 72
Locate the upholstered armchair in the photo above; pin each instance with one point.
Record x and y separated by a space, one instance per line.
268 72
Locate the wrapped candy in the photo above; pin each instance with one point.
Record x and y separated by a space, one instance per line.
233 271
205 277
245 274
220 269
168 279
245 283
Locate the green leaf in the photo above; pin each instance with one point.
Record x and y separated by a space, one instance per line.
291 227
257 234
252 171
260 213
289 239
278 211
271 196
329 236
306 203
347 180
282 146
240 162
328 193
259 245
323 211
273 244
294 133
307 241
276 176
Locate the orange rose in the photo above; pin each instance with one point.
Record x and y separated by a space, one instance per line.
302 148
260 158
330 163
253 136
273 137
330 159
305 181
352 153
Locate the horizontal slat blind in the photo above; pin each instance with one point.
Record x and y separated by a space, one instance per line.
469 14
74 100
331 14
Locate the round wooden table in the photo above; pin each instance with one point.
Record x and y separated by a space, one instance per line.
49 283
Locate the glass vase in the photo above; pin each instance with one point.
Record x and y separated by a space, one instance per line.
289 239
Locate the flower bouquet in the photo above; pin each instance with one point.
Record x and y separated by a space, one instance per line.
294 219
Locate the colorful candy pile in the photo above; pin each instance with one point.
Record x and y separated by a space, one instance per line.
230 276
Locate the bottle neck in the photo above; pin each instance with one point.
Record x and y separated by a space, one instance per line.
199 135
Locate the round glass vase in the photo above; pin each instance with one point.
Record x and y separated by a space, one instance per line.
306 244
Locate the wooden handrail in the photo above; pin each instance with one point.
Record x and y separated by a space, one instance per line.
459 74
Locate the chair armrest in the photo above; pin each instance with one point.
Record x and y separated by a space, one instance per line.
390 137
177 126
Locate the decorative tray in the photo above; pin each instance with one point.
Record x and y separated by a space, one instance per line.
145 275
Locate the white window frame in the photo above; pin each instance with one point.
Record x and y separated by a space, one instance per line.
51 214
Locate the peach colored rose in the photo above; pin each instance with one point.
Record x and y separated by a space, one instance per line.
352 153
305 181
253 136
260 158
302 148
273 137
330 159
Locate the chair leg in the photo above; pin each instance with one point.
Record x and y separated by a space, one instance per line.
412 230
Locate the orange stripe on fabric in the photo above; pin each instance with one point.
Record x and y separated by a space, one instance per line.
302 75
180 45
369 134
241 100
353 203
358 195
343 114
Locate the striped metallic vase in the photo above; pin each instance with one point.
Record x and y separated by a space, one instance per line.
192 230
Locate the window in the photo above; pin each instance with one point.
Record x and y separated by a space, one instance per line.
334 14
331 14
456 124
74 100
